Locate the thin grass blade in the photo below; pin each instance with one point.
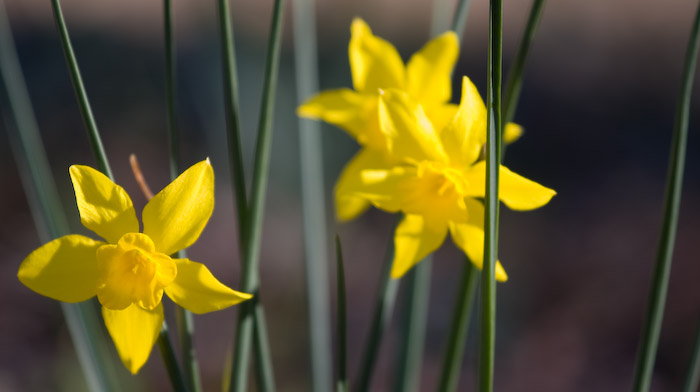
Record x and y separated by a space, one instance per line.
183 317
459 21
514 81
662 269
383 309
250 280
342 385
416 316
461 315
692 379
493 150
166 350
235 156
313 201
83 101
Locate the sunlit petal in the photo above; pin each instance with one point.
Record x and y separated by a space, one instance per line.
464 137
64 269
410 134
469 236
512 133
515 191
104 206
134 331
347 204
374 62
176 216
414 240
354 112
429 70
197 290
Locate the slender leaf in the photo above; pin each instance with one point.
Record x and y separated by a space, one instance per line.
183 317
98 150
693 373
228 55
461 314
313 202
171 366
342 385
250 280
383 309
493 149
662 269
459 22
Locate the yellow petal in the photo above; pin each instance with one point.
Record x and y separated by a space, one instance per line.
64 269
429 70
410 134
374 62
466 134
176 216
354 112
134 331
347 204
384 188
515 191
413 241
104 206
469 236
441 115
197 290
512 133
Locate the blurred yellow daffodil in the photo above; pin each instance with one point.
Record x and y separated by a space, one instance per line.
434 178
131 270
376 65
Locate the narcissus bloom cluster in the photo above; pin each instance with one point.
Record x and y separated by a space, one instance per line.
420 154
130 270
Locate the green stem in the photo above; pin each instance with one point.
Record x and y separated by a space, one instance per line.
342 321
514 81
313 203
693 373
83 102
253 229
452 361
659 285
383 308
183 317
418 290
493 149
235 155
171 366
82 319
263 363
459 22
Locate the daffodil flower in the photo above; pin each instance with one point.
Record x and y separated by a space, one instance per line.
130 270
439 180
376 65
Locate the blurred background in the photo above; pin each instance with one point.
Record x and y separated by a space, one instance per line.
598 103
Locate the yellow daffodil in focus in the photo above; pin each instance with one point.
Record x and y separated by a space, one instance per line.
130 270
376 64
439 180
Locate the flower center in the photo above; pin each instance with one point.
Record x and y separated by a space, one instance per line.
133 272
